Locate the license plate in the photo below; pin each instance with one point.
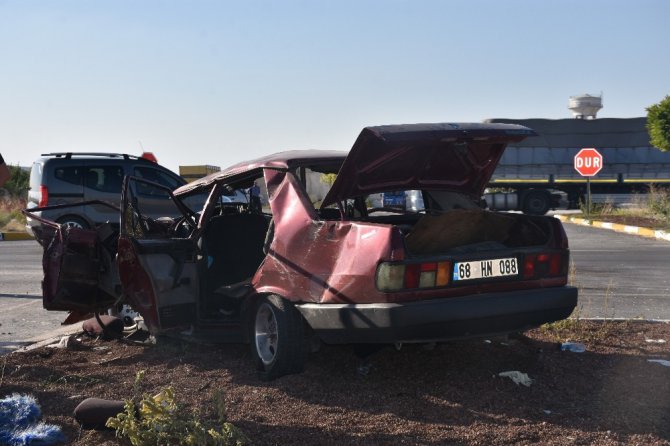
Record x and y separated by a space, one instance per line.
483 269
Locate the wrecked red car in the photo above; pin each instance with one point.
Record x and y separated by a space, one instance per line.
321 257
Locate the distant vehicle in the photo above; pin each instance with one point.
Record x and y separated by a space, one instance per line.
235 196
58 179
394 199
345 272
537 174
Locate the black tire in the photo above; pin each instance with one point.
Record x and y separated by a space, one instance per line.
277 338
73 221
536 202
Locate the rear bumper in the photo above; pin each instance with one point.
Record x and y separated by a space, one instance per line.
439 319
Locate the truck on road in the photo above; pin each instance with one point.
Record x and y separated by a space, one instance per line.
535 174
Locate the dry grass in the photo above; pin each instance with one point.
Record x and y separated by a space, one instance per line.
11 218
650 210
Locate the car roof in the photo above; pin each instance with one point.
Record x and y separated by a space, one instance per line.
92 155
401 156
286 160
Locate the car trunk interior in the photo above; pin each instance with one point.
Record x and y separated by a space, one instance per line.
468 230
471 230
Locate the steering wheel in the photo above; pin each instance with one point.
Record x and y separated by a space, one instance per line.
182 227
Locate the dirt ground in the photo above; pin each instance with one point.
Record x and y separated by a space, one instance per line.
449 393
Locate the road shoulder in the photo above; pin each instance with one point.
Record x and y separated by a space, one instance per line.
635 230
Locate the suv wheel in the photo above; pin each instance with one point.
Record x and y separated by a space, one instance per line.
277 345
72 221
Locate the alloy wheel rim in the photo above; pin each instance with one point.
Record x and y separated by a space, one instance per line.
265 331
73 224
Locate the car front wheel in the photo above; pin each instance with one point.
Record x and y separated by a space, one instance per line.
278 345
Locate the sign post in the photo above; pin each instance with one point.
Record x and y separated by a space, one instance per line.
588 163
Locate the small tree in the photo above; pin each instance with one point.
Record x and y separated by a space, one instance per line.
17 185
658 124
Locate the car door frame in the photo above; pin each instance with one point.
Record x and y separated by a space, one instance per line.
79 272
159 274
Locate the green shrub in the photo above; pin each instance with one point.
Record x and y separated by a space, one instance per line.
161 420
10 209
17 185
606 208
658 202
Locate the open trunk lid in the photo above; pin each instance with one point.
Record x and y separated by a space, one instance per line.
456 157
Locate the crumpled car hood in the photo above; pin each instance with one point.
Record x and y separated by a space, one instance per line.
448 156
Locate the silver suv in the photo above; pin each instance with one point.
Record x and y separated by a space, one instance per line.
66 178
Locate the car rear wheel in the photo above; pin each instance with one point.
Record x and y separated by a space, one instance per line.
72 221
278 345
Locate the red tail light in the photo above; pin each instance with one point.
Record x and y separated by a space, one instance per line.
529 267
536 266
412 273
398 276
44 197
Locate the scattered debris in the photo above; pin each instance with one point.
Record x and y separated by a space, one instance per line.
105 326
663 362
20 425
93 413
574 347
517 377
655 341
205 386
363 369
67 342
487 341
107 361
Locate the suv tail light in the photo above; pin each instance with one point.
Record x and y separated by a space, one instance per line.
403 276
44 197
553 264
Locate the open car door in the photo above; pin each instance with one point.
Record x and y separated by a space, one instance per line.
157 258
79 269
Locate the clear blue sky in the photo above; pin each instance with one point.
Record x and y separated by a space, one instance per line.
217 82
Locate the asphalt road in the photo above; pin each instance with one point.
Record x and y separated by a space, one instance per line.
619 276
21 314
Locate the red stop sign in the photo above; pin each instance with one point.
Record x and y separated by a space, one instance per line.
588 162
